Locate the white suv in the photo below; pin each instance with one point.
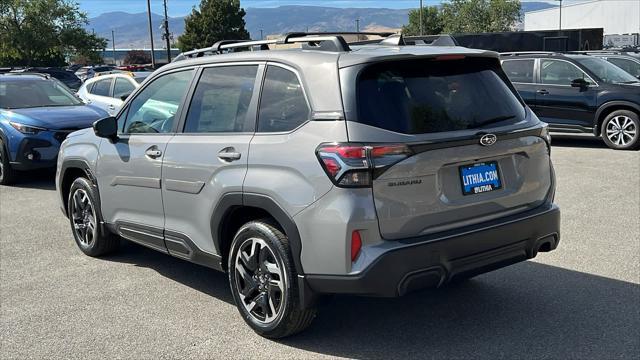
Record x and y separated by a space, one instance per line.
108 92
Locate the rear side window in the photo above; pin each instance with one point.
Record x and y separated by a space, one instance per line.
519 70
428 96
221 100
283 106
122 87
101 87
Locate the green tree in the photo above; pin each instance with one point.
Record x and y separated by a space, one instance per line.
214 20
476 16
431 22
44 33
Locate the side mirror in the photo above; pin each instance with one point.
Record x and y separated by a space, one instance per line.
124 97
579 83
106 128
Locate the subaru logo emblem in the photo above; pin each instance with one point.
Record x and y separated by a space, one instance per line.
488 140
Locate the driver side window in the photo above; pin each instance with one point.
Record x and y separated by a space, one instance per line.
154 109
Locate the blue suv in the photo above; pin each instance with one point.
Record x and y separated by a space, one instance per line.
37 112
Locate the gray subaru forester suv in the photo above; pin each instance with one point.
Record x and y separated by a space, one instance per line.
375 168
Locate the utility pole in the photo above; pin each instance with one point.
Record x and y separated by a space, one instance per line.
358 29
153 53
113 45
560 24
261 34
167 36
420 14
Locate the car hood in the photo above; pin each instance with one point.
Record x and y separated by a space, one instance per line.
57 118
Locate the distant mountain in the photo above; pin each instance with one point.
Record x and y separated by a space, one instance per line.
131 30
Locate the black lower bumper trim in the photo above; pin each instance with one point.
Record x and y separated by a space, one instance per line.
434 260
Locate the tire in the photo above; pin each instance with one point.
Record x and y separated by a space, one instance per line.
621 130
85 218
263 279
7 174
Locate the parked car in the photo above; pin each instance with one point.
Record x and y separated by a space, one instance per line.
66 77
108 92
37 112
376 169
579 94
628 63
87 72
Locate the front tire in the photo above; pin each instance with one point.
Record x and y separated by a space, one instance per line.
7 174
621 130
263 281
85 219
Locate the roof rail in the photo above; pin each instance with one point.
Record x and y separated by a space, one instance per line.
43 75
327 41
518 53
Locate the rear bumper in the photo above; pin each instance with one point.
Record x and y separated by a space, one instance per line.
433 260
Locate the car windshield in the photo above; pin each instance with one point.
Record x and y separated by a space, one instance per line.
27 93
429 96
606 71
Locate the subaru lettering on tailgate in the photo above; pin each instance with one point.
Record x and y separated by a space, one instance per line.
480 177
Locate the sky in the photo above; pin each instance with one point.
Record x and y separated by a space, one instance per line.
183 7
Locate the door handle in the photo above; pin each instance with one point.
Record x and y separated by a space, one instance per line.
153 152
229 154
543 92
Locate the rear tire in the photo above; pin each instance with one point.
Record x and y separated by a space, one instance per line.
621 130
263 281
85 218
7 174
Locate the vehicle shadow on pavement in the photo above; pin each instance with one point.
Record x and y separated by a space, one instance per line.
577 141
211 282
528 310
42 180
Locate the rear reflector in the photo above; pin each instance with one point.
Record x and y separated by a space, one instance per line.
356 244
449 57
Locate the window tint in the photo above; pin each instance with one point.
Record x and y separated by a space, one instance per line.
627 65
558 72
282 106
519 70
154 108
412 97
221 100
101 87
122 87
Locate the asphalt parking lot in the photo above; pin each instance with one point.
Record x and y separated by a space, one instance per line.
581 301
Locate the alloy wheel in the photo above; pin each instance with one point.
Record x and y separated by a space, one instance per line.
84 218
621 130
260 281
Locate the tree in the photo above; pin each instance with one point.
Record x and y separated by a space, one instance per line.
475 16
214 20
44 33
431 22
136 57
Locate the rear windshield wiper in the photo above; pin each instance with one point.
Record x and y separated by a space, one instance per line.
496 119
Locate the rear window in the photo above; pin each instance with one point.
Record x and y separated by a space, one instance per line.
428 96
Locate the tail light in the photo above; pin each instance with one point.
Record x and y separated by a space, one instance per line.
356 165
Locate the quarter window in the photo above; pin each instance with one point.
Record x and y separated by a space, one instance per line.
155 107
122 87
221 100
519 70
558 72
283 106
101 87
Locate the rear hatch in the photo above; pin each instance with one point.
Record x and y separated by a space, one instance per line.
450 141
